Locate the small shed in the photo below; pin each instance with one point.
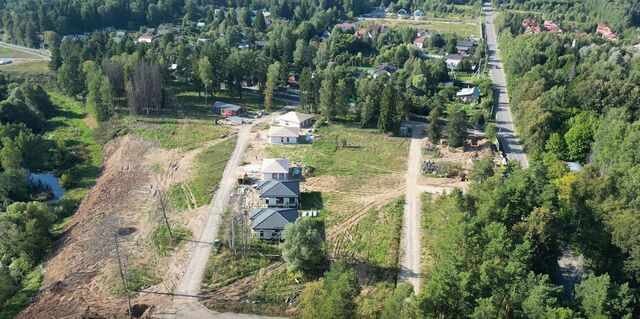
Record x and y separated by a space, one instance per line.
226 109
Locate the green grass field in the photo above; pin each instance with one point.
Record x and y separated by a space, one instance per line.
365 165
16 54
173 133
209 166
365 152
376 242
27 67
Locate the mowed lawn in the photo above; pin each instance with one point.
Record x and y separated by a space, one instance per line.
351 167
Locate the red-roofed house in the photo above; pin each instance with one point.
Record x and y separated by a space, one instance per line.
419 42
529 22
146 38
346 26
532 30
552 27
606 32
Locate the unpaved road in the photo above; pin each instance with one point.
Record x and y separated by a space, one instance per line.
45 55
410 242
504 118
190 282
190 307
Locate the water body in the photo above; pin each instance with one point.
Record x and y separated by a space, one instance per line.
49 180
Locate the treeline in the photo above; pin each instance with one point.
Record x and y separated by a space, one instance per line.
581 103
24 22
25 217
558 92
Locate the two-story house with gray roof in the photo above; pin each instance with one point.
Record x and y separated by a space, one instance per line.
269 223
279 194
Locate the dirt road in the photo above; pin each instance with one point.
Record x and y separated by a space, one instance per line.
410 242
44 54
190 283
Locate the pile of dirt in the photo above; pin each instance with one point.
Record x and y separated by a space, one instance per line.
74 283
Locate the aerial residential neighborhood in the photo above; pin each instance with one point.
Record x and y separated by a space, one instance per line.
319 159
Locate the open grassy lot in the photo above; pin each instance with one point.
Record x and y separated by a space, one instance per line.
225 267
463 27
376 242
209 166
26 67
173 133
433 219
352 167
13 53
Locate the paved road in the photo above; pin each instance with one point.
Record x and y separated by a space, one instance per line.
504 119
410 241
44 54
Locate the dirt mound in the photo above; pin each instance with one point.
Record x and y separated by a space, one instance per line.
74 283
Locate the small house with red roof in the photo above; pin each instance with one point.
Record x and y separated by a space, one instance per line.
552 27
419 42
606 32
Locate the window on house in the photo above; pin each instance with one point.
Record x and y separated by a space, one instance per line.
274 175
287 140
279 200
281 139
261 233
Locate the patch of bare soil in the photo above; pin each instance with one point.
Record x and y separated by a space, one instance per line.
82 265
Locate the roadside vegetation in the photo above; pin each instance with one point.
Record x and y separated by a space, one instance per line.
208 168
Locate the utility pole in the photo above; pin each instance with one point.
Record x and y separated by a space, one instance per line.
163 208
123 271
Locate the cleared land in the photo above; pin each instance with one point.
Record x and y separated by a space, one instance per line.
25 66
13 53
81 273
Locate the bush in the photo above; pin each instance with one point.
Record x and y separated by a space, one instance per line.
162 240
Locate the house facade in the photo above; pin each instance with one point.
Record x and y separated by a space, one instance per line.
295 119
269 223
275 169
284 135
452 60
469 95
279 194
419 42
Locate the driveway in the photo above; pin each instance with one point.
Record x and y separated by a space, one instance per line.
410 240
504 119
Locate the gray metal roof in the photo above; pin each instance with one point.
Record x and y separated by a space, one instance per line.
279 189
273 218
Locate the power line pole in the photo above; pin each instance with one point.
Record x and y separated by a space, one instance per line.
163 209
123 271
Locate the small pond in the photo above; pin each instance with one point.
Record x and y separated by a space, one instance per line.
50 180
